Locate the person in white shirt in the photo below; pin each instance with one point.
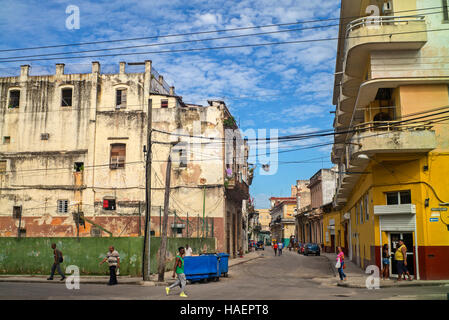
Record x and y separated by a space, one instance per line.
188 251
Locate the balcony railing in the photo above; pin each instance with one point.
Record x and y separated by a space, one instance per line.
373 21
395 125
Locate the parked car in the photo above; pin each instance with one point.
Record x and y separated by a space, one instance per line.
301 248
312 248
260 245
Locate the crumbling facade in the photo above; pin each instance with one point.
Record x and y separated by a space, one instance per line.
74 151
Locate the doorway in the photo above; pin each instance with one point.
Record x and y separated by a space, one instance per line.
407 237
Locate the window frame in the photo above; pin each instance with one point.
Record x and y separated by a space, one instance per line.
109 199
62 97
6 139
117 164
398 193
65 206
13 90
366 205
6 166
123 102
163 101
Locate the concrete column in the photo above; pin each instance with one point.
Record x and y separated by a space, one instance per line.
172 91
122 67
24 71
59 69
96 67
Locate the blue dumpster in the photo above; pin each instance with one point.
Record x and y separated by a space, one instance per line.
202 267
223 264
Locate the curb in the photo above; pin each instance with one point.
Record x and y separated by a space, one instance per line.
105 281
394 285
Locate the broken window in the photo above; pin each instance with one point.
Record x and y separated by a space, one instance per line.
14 99
66 97
17 212
120 98
6 140
2 166
63 206
109 204
79 166
164 103
118 154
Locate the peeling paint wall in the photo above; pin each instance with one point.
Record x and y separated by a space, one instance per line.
35 256
41 172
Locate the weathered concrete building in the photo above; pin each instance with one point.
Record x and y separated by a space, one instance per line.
309 219
75 143
282 225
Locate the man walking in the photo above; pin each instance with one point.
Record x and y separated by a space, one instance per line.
401 261
178 268
280 246
113 259
275 248
58 259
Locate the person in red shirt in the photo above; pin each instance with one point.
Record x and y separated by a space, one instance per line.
275 248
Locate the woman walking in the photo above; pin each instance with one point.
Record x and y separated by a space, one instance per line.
340 263
385 262
275 248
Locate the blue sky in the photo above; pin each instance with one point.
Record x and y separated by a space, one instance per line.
290 85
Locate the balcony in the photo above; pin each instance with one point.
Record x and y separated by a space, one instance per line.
381 33
236 188
391 137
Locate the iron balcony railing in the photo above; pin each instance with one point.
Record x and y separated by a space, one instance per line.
395 125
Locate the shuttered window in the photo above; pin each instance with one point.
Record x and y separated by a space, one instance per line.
118 155
66 97
2 166
120 98
63 206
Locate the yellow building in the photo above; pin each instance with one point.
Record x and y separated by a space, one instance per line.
264 219
282 224
392 141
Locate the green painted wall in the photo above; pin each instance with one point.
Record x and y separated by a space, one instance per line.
35 256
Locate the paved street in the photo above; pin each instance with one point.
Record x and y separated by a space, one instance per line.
290 276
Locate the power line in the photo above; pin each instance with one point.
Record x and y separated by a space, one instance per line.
170 43
224 47
204 32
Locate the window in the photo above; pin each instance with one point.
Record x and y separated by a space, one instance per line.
118 154
109 204
66 97
17 212
361 212
120 98
63 206
164 103
366 205
446 10
401 197
14 99
6 140
2 166
79 166
45 136
356 215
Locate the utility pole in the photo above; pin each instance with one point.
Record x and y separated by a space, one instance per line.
204 206
146 244
162 250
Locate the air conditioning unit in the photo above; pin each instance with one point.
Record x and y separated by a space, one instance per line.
387 7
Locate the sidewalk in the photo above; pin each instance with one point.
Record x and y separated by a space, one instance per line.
121 279
356 277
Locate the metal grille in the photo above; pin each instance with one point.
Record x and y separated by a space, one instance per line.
63 206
